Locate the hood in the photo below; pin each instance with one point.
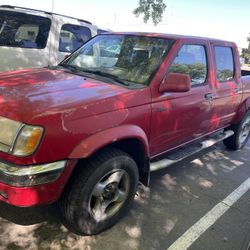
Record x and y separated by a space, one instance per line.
28 94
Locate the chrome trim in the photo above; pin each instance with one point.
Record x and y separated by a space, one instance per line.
20 171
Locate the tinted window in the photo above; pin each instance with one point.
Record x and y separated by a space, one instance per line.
23 30
224 63
191 60
72 37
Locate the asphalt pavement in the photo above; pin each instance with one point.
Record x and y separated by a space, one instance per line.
184 206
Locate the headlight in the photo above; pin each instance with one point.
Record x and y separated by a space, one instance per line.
17 138
27 141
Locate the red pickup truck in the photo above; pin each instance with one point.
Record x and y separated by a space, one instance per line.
87 132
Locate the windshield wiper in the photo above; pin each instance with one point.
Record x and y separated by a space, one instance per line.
108 75
96 72
68 66
73 69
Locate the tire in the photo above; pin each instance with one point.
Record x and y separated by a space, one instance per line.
101 192
241 133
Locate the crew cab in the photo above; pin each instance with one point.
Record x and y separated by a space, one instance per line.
35 38
86 132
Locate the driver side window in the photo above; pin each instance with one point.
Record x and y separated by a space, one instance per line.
191 60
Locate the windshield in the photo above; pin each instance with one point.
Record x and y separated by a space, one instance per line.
126 57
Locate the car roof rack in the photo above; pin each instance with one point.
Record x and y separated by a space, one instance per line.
46 12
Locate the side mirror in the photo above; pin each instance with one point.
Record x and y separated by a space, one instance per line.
175 82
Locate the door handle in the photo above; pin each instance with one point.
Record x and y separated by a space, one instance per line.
236 90
208 96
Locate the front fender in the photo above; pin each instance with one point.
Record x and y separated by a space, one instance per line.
104 138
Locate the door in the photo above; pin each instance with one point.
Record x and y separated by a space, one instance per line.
23 40
226 97
181 117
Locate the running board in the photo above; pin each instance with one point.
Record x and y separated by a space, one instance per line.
189 150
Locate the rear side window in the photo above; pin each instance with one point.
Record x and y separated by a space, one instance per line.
23 30
191 60
72 37
224 63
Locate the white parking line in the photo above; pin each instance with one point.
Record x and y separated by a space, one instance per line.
194 232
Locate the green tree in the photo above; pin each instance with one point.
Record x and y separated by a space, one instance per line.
246 52
150 9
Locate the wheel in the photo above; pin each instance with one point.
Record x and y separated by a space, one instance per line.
101 193
241 133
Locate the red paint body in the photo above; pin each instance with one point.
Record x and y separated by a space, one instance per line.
81 115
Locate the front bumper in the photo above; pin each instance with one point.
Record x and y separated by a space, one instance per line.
27 176
34 185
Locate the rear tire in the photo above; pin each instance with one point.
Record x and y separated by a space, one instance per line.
101 193
241 133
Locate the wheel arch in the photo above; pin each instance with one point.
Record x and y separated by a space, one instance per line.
128 138
242 109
